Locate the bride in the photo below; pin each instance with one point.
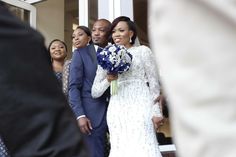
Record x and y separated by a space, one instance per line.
131 111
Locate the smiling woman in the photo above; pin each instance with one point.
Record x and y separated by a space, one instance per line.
58 53
132 132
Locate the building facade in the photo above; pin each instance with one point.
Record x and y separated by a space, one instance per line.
58 18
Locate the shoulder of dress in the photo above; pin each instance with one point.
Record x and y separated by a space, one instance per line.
67 63
144 50
144 47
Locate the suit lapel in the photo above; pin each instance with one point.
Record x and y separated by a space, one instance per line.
92 53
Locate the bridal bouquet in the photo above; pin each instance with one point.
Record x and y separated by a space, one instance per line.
115 59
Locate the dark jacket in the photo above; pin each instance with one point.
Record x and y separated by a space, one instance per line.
35 120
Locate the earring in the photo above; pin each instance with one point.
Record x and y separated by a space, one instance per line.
130 40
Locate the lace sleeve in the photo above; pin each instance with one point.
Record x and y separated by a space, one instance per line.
100 83
151 72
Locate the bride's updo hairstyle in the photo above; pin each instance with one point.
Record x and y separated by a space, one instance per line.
130 24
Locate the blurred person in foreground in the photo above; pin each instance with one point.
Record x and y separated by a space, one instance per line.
35 119
195 49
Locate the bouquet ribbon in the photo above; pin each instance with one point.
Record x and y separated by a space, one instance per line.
114 87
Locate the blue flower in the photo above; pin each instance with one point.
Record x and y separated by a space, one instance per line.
115 59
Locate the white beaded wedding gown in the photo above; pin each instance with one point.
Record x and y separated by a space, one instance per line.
130 111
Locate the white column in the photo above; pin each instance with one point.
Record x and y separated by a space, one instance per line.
83 12
116 8
110 9
105 9
127 8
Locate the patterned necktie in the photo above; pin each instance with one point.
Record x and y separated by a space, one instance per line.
99 49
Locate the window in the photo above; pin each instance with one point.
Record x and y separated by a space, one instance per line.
24 11
140 19
23 14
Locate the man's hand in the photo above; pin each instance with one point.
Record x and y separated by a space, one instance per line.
85 125
157 122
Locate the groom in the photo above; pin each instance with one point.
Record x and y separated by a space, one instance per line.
90 112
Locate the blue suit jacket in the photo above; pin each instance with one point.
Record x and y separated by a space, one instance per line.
82 73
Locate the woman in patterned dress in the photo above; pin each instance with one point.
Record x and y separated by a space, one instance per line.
58 53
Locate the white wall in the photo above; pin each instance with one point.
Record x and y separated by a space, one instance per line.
50 19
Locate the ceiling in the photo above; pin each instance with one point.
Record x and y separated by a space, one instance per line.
32 1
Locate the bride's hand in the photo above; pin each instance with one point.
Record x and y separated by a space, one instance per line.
157 122
111 77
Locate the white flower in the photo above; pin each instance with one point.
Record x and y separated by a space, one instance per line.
113 53
112 49
121 52
111 59
102 53
118 60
